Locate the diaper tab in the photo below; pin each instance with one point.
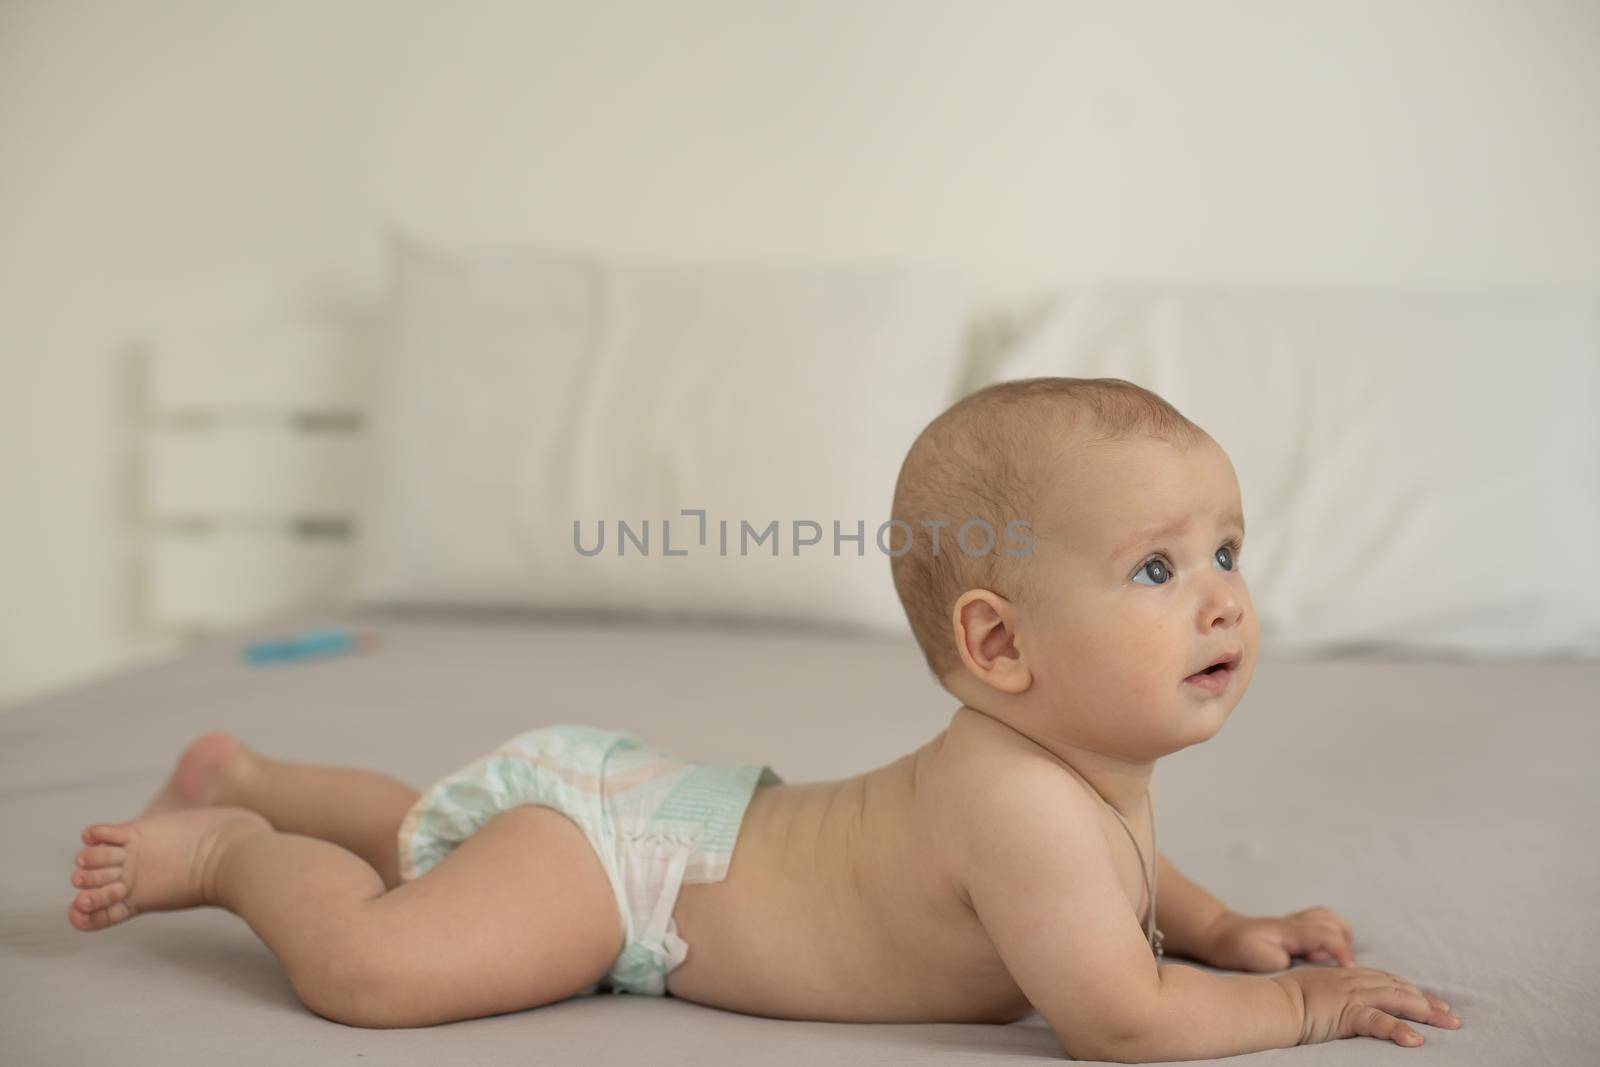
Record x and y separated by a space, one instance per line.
655 947
643 966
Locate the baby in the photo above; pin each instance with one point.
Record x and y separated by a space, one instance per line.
1006 866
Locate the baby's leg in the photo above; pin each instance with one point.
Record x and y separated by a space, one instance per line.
521 914
355 809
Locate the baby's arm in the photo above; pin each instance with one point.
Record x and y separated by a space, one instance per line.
1198 926
1037 869
1186 914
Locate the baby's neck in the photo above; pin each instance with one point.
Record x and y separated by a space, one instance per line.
1120 782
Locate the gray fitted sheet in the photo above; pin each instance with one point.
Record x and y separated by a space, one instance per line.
1446 809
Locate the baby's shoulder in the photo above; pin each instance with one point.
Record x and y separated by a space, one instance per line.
991 771
1000 797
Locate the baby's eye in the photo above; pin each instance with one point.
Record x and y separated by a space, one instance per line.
1156 570
1224 556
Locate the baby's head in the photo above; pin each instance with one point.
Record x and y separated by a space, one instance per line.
1132 583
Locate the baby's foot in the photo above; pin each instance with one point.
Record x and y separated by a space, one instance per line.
153 863
202 771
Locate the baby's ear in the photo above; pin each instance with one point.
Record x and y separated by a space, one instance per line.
984 624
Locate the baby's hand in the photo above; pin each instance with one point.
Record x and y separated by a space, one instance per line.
1239 943
1339 1002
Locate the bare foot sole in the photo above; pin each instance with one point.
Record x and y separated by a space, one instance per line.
196 780
153 863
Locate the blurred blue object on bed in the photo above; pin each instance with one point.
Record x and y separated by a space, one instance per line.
312 644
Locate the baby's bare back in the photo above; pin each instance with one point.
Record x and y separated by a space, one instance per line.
843 901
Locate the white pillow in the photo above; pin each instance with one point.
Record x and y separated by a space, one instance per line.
525 390
1419 471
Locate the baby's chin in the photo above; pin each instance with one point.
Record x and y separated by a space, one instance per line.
1203 720
1182 723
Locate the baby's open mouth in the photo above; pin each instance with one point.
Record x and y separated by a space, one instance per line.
1216 676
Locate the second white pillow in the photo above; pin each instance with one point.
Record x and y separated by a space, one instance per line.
1419 471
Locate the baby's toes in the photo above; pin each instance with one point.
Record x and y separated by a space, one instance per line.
88 878
101 856
98 920
107 833
102 897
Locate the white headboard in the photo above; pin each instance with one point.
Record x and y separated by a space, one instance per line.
251 458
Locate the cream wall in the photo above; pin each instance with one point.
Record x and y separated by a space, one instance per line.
175 162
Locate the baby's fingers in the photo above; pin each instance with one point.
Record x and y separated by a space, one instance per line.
1409 1002
1319 941
1333 943
1370 1022
1427 1008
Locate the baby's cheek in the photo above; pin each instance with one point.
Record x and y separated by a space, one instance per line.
1145 670
1252 630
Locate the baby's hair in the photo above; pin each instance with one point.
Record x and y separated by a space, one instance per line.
989 457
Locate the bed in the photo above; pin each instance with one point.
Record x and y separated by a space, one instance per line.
1415 750
1445 808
